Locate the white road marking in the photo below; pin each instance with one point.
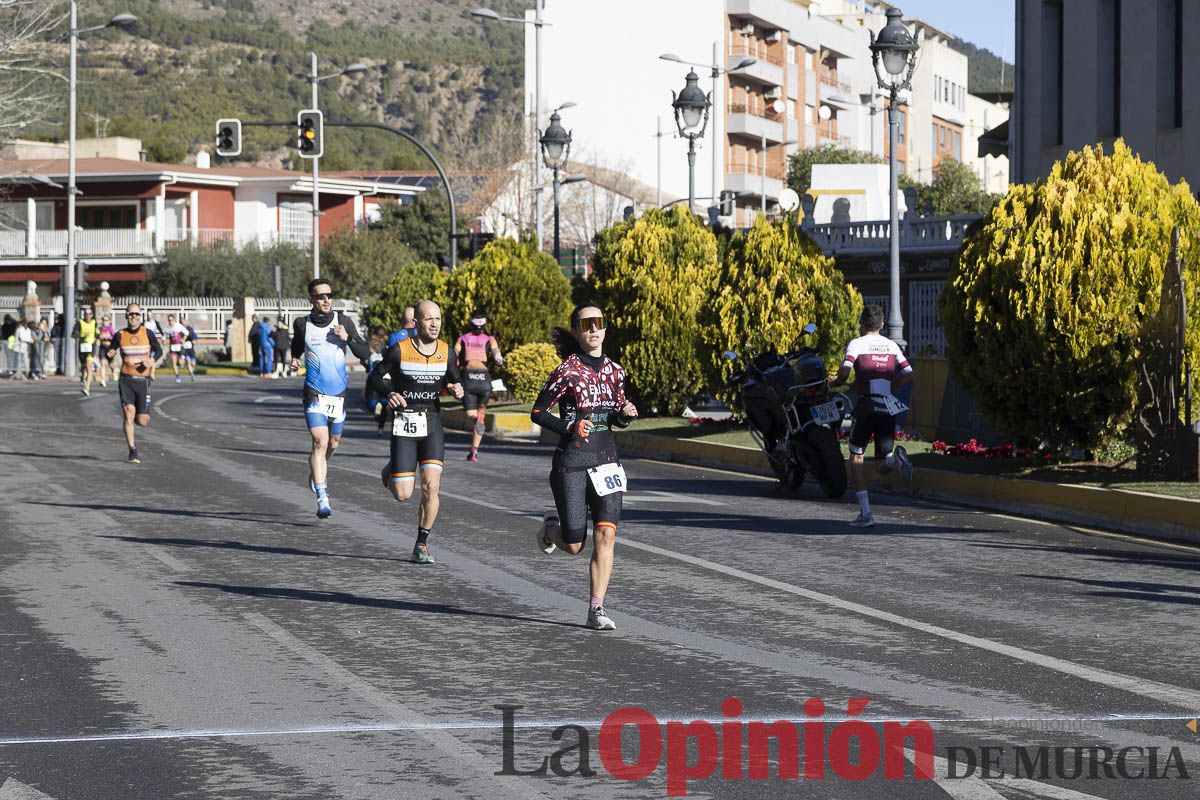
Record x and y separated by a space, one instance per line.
173 563
269 398
654 496
1045 790
13 789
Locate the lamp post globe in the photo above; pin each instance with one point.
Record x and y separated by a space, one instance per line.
556 143
894 49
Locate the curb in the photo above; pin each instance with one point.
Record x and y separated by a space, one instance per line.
1151 515
498 423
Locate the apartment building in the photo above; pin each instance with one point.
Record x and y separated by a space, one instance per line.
812 84
1097 70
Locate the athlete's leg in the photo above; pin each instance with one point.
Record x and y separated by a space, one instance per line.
317 457
605 534
431 483
480 420
128 411
570 500
142 420
175 364
86 369
401 470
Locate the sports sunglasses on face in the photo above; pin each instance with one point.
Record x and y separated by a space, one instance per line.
590 324
321 296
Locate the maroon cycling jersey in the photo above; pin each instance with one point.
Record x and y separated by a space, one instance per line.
584 387
876 361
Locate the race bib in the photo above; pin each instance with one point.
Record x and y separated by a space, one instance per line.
411 425
176 348
498 386
826 413
331 406
187 345
891 405
607 479
85 347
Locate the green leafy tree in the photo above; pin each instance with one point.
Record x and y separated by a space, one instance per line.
653 276
956 189
773 281
422 225
225 271
522 291
1047 309
360 263
409 285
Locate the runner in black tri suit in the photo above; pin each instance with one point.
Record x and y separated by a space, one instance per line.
589 389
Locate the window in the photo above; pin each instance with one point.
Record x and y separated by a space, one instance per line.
1052 72
901 125
1108 68
295 222
957 146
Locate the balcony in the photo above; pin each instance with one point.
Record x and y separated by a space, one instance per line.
751 183
763 71
828 134
937 234
829 82
743 122
104 242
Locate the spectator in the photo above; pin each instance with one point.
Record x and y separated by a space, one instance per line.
228 340
255 350
105 332
283 347
49 354
266 349
56 336
37 348
24 345
8 333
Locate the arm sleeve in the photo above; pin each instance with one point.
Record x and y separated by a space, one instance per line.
378 381
357 344
298 338
75 330
107 350
550 394
619 419
452 374
155 347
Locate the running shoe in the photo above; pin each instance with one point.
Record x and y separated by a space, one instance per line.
323 509
862 522
598 620
133 456
472 456
179 379
906 467
103 384
544 544
86 391
420 554
385 474
193 379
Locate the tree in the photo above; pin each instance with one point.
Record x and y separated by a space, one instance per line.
409 285
800 164
956 189
422 225
1048 306
360 263
526 368
522 291
223 270
29 91
653 275
772 282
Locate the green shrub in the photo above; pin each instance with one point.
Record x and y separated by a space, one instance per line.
1046 310
411 284
223 270
653 275
360 263
526 368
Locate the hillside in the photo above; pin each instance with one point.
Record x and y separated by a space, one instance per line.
984 71
451 81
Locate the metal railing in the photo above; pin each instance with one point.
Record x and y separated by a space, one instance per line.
934 233
115 241
753 166
829 77
829 133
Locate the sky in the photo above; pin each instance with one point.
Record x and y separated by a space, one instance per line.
985 23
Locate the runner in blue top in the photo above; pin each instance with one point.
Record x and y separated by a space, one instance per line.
321 338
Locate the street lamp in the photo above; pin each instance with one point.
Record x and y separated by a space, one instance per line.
354 69
691 116
538 23
894 56
68 278
556 147
717 71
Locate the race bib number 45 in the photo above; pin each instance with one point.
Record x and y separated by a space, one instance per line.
411 425
607 479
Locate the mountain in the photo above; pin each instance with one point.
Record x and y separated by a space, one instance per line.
451 81
984 71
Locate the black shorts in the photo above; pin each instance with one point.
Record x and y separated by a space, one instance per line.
476 392
867 423
135 392
427 453
574 497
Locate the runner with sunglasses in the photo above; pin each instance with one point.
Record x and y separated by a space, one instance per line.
589 388
321 338
474 348
139 349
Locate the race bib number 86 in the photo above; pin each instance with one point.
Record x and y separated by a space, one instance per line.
607 479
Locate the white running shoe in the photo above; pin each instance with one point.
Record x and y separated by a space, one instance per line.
906 467
598 620
862 522
544 544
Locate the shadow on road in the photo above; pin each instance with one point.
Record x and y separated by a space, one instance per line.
750 523
177 512
1148 557
231 544
68 457
345 598
1132 590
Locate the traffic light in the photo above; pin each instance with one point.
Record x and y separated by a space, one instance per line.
309 124
229 137
727 203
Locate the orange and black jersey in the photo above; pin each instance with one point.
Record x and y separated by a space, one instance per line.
139 350
420 378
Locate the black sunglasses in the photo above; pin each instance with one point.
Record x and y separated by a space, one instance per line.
590 324
321 296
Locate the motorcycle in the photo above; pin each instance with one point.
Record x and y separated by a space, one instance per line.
793 415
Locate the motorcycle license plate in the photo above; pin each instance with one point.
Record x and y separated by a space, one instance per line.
411 425
826 413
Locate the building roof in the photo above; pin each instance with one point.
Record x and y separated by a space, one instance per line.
471 189
118 169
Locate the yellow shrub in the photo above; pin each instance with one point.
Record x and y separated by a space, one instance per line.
526 369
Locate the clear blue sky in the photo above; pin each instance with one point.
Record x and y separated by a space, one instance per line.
985 23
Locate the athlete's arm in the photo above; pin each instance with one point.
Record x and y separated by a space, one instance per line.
377 380
107 349
550 394
626 411
495 351
454 380
155 348
357 344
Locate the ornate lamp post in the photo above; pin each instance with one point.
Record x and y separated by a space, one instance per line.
894 55
556 147
691 117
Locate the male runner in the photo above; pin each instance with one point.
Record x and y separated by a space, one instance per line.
419 367
473 349
321 338
879 368
86 332
176 335
139 349
408 326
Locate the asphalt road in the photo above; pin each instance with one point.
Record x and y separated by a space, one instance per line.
187 628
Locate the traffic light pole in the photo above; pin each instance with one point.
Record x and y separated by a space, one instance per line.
316 188
453 237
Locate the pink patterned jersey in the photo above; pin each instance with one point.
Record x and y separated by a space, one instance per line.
583 387
473 349
876 360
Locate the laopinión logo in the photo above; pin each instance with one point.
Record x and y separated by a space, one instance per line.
853 749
